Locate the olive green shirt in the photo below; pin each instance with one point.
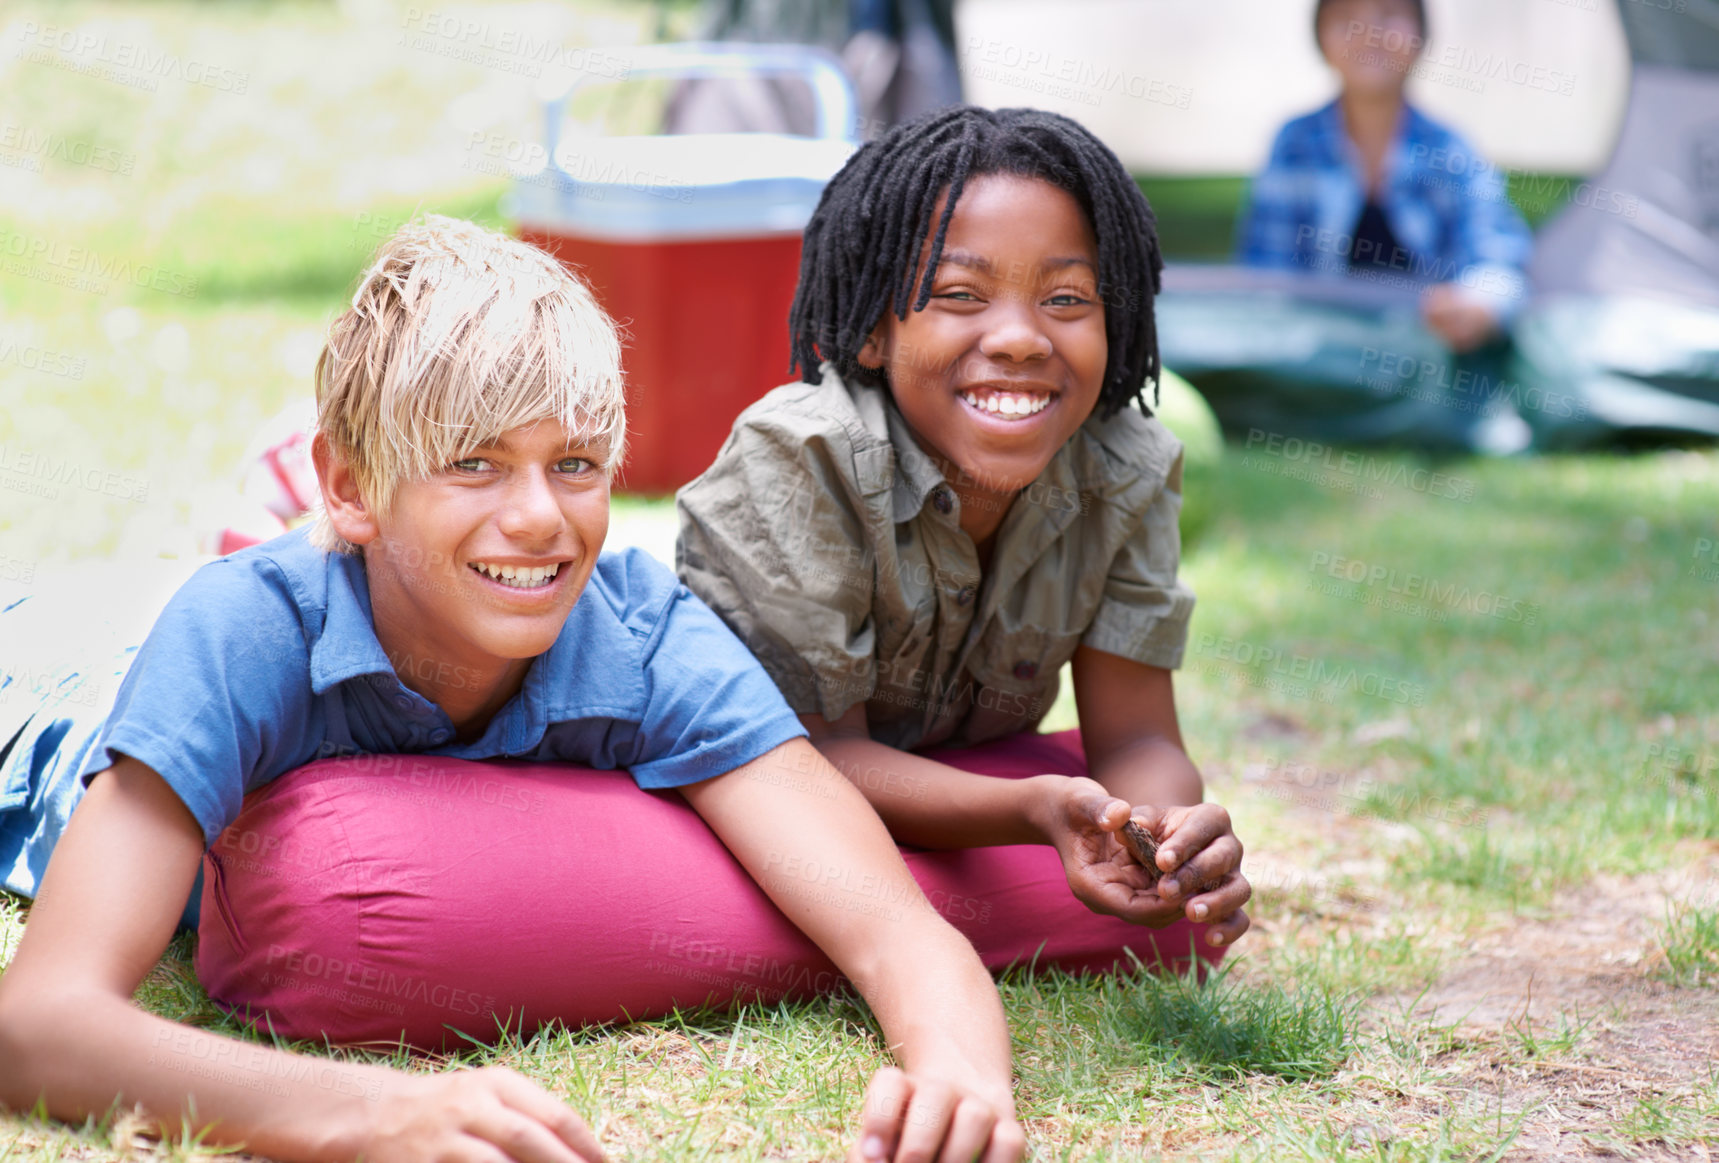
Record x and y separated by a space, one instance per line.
831 544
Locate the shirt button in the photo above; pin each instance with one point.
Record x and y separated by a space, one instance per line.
441 736
1026 669
965 597
403 701
942 501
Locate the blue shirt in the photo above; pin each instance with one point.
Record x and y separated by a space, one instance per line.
268 659
1447 206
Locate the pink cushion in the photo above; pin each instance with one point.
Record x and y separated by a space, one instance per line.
405 896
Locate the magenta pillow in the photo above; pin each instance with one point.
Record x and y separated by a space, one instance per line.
377 898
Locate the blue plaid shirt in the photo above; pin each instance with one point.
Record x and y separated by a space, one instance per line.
1447 206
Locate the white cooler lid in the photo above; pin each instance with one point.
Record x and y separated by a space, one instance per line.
677 186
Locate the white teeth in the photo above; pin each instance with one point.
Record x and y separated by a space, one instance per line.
1007 403
520 577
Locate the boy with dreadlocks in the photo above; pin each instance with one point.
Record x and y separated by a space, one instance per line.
957 501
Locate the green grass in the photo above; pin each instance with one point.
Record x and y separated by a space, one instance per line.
1222 1029
306 256
1545 775
1666 1121
1197 217
1312 1045
1691 945
1447 1140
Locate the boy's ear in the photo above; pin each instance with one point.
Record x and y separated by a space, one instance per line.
870 354
347 511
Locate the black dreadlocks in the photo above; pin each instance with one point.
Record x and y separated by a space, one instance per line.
862 244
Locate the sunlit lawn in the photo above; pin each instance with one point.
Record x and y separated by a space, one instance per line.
1482 825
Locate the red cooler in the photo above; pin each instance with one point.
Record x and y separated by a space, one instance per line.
692 242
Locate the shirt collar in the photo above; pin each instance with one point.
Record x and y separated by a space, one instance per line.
347 646
1344 151
887 443
1085 465
593 668
917 474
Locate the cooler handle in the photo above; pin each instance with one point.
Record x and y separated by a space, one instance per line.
837 107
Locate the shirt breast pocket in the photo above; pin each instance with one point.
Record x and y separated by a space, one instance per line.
1022 661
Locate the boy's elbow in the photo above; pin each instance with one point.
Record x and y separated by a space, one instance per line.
33 1026
19 1048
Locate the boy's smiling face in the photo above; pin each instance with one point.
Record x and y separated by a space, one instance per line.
1007 359
532 505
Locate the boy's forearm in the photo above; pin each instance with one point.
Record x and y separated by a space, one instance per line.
933 996
932 805
1152 770
84 1051
940 1011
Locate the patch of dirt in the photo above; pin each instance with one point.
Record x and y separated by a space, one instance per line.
1595 947
1590 958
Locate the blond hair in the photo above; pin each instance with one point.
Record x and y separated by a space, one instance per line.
458 334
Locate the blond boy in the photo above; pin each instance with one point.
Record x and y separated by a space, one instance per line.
469 423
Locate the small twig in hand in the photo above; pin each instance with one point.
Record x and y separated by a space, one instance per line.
1142 847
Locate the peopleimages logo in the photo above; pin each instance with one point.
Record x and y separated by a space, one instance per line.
98 270
1418 586
1358 795
1324 464
721 966
187 1051
35 144
1455 64
1298 675
125 62
1672 765
26 470
1328 250
386 984
507 49
1704 562
1442 382
36 358
1054 75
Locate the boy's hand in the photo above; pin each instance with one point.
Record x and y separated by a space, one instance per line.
920 1117
1201 858
1082 820
490 1114
936 1003
1456 318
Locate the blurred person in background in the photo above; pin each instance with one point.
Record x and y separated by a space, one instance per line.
899 54
1370 187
